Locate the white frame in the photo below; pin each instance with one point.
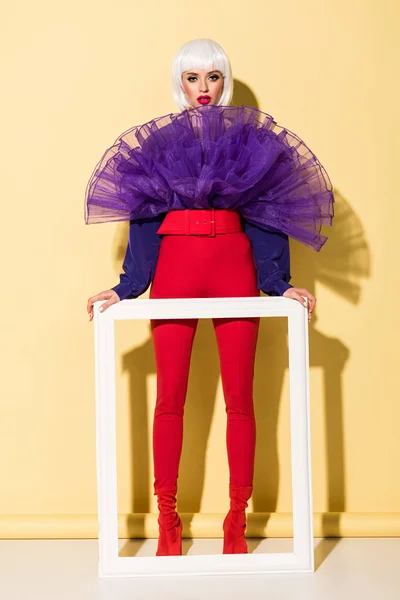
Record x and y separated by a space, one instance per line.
302 559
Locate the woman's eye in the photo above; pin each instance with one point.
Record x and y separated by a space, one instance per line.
213 77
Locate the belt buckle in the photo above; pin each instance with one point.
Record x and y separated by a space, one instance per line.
192 221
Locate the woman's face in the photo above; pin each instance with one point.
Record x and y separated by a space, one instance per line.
202 86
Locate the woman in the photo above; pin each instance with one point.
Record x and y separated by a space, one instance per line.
212 194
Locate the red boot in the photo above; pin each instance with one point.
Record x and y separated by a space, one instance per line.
234 525
170 524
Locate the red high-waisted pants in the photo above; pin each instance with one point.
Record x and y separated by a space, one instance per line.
192 266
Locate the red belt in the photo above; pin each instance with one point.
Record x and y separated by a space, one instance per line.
207 222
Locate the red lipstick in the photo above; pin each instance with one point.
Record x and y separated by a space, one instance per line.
204 99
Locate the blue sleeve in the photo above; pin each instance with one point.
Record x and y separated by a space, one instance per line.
140 259
272 258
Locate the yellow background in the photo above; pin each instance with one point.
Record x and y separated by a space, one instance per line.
75 76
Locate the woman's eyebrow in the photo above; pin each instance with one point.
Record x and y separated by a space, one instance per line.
194 72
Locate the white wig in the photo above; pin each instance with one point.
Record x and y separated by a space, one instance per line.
200 54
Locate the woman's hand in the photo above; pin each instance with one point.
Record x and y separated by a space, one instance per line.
110 295
297 293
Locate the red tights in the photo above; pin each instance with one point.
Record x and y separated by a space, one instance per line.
193 266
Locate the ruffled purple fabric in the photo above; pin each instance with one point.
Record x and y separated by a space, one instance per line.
214 156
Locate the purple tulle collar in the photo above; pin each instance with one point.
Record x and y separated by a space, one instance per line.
214 156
